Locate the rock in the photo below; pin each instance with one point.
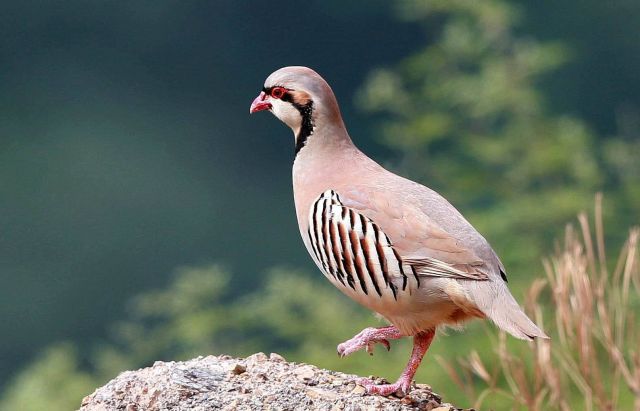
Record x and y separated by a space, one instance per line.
407 400
257 382
316 393
257 358
237 368
359 390
276 357
305 372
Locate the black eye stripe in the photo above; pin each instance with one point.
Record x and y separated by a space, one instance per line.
288 97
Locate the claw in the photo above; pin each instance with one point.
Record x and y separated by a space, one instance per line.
340 349
384 342
369 348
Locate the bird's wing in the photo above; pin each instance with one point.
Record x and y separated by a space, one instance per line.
348 237
354 252
420 241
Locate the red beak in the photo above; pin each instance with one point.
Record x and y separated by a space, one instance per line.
260 103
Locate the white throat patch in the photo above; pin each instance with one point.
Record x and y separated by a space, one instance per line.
288 114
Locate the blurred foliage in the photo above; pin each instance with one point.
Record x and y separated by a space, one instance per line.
467 117
53 381
196 315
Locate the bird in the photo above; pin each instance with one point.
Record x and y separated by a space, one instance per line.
391 244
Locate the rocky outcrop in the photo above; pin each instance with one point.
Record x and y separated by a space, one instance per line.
258 382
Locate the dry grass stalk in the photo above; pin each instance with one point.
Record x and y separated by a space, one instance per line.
592 361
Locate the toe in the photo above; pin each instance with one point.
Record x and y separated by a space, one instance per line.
383 389
364 382
347 348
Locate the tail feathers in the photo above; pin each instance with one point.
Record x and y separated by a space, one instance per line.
499 305
508 315
513 320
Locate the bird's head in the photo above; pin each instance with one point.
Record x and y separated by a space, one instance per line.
301 99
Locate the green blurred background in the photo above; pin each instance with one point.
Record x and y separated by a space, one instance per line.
127 152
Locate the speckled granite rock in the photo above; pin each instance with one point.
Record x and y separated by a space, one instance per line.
258 382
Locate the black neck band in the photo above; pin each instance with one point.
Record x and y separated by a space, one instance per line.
306 127
306 112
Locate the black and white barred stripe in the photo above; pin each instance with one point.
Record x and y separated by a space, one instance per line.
353 251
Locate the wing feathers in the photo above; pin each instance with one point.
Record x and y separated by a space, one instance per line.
432 267
353 249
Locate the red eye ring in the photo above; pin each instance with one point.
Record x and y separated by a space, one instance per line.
278 92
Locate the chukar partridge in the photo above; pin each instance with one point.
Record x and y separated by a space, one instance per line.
391 244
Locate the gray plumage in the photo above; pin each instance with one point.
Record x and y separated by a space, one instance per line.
393 245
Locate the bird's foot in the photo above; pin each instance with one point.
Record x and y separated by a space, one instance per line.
421 342
367 338
400 388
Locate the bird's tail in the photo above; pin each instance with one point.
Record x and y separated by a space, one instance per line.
505 312
508 315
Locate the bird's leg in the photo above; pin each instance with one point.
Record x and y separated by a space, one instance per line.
367 338
421 343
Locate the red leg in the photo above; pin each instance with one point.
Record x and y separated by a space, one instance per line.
367 338
421 343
